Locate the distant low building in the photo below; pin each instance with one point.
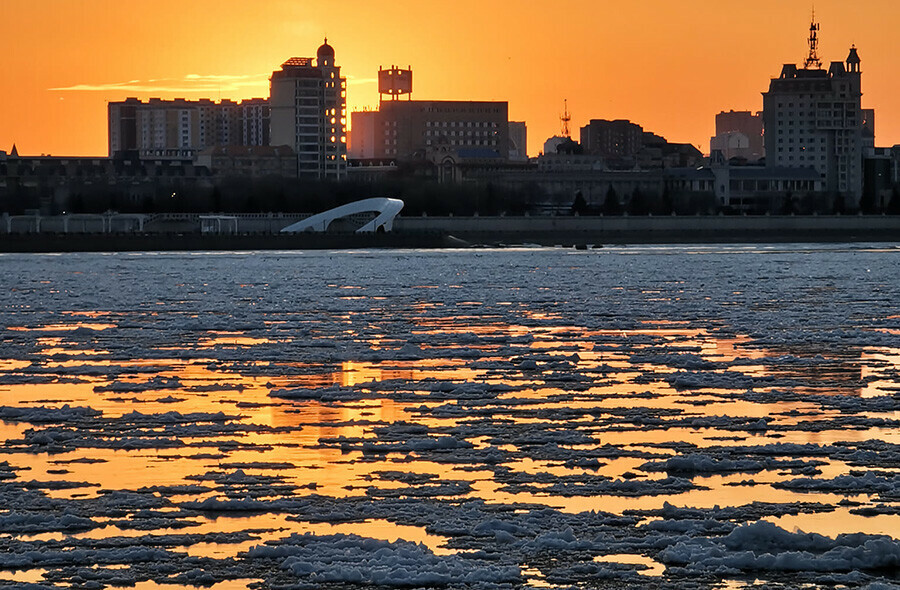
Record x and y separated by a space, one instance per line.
551 146
733 144
657 152
617 139
624 145
251 161
570 162
51 184
739 134
752 189
371 170
881 174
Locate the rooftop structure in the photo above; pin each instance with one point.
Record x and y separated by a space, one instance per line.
395 82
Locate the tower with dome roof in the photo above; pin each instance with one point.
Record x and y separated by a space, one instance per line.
308 102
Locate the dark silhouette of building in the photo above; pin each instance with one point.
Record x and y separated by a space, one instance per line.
739 134
250 161
813 118
612 139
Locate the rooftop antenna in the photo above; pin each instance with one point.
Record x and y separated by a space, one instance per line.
565 120
813 59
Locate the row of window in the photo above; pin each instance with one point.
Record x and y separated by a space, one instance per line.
467 142
435 133
765 185
494 110
801 158
842 94
469 124
793 118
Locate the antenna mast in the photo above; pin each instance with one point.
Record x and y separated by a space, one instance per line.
565 120
813 59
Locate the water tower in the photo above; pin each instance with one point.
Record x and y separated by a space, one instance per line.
395 82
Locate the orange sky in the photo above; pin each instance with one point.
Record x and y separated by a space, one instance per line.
669 66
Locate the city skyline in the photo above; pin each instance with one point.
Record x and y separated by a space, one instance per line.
669 69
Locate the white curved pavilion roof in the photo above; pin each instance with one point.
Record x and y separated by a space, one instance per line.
387 210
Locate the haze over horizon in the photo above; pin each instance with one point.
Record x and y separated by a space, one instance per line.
667 67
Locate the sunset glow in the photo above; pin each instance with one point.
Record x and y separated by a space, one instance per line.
668 66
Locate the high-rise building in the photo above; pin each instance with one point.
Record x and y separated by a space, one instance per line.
813 118
183 128
308 111
254 119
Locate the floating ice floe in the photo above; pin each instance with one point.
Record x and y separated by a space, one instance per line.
357 560
763 546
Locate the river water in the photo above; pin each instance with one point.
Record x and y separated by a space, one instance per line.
696 416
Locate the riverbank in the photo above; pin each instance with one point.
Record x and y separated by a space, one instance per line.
445 232
136 242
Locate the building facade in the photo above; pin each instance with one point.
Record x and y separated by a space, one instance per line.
362 135
518 141
249 161
308 111
407 129
185 127
612 139
739 134
814 119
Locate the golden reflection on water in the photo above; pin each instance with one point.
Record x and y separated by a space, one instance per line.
12 364
240 584
203 386
654 568
840 521
62 327
236 339
29 576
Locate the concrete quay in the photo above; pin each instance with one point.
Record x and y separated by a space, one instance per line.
251 232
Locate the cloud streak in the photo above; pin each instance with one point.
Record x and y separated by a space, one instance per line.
360 81
188 84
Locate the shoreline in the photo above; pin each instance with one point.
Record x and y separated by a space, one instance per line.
173 232
133 242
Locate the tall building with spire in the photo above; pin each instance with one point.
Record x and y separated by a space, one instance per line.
813 117
308 112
